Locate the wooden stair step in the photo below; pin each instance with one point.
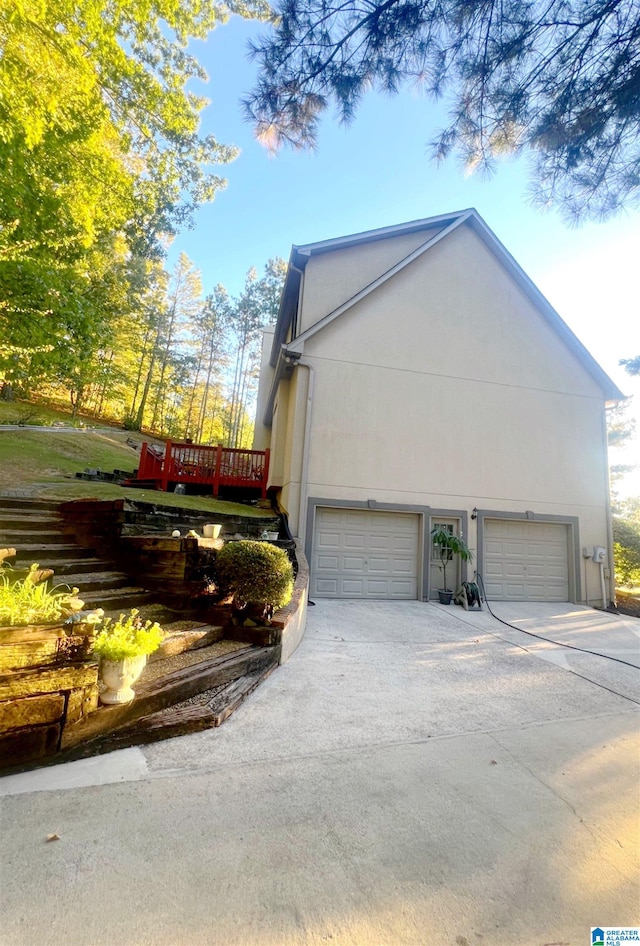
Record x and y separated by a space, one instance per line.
227 701
117 598
30 536
16 502
181 719
92 581
77 567
167 690
34 552
29 521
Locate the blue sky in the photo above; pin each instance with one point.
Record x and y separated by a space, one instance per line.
376 172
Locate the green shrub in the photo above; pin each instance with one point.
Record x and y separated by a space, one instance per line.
127 637
26 602
626 550
255 573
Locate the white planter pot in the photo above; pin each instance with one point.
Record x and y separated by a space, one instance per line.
211 530
117 677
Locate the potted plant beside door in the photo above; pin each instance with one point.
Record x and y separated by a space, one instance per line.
446 544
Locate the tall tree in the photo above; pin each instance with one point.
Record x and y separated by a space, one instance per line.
211 331
557 78
256 308
183 300
99 142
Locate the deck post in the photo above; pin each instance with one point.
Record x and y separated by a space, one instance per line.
143 461
216 475
168 462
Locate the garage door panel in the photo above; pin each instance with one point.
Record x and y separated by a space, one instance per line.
556 571
353 563
327 586
365 553
403 544
402 589
493 569
377 588
328 540
513 570
381 565
526 560
353 587
403 567
328 562
536 570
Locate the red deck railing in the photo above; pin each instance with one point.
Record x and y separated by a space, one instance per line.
203 465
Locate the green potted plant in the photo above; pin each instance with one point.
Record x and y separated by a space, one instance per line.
33 617
123 647
258 575
29 600
446 544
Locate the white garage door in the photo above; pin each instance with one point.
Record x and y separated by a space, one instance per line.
359 553
525 560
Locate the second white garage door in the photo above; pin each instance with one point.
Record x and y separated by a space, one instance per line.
361 553
525 560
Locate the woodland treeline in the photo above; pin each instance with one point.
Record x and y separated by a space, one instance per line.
102 163
185 364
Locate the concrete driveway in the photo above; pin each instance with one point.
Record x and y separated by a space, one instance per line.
414 774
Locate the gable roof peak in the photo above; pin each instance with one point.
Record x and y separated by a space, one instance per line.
302 251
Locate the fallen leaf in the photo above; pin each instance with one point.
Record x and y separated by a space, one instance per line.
53 837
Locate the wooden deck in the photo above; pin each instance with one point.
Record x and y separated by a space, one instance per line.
200 465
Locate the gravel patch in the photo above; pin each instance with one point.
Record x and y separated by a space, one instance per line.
159 668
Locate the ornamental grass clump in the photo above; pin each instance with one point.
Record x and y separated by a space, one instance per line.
256 573
127 637
25 601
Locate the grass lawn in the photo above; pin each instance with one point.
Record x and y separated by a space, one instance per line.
24 412
49 460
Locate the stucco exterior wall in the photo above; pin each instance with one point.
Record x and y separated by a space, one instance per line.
293 445
446 387
332 277
279 436
262 434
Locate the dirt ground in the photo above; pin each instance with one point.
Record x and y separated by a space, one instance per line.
628 603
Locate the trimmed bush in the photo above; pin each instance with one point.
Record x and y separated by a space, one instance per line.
255 573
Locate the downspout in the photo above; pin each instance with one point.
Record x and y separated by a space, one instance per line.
609 519
302 520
